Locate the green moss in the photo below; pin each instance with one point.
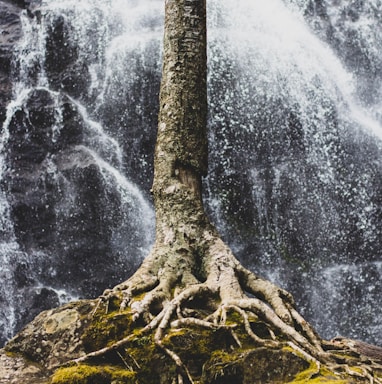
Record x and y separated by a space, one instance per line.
87 374
81 374
13 354
257 326
320 380
312 374
114 304
211 356
324 376
150 363
142 348
106 329
121 376
257 366
198 343
224 367
357 369
233 317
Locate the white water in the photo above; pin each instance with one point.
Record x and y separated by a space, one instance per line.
274 55
98 147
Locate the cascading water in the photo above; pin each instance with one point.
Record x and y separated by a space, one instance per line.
295 151
72 220
296 158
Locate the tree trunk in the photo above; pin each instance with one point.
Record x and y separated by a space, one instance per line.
189 259
181 150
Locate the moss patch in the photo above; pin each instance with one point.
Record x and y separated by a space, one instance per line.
195 346
106 329
82 374
256 366
87 374
323 377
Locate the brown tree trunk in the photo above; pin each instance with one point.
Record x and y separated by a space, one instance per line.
181 149
182 131
189 259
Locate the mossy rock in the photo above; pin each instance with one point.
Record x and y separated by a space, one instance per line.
256 366
211 356
87 374
105 330
324 376
151 364
195 346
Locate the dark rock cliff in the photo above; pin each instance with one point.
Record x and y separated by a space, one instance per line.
10 33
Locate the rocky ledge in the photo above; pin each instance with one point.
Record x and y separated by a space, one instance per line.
51 350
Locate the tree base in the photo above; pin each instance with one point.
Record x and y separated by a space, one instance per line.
253 314
173 323
94 341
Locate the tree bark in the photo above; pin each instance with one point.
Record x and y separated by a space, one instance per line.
181 149
182 131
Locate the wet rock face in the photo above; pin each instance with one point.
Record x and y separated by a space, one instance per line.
66 71
66 215
33 155
10 33
75 219
351 30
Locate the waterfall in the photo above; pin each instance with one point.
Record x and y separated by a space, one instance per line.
73 221
295 165
296 152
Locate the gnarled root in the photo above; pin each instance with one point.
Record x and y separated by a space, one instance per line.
167 292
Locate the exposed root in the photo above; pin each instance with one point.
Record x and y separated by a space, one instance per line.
124 362
280 300
165 298
366 372
192 322
258 340
306 328
183 371
307 357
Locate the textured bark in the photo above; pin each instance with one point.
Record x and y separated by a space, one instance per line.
181 150
182 136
